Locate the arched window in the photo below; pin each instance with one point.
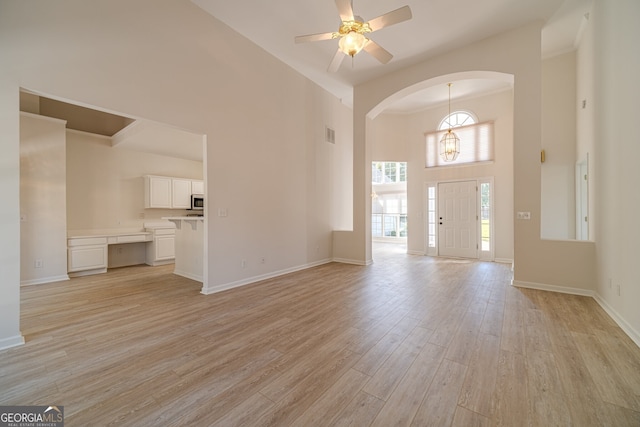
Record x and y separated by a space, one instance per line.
476 140
456 119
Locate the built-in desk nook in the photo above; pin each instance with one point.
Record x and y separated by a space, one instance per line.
89 251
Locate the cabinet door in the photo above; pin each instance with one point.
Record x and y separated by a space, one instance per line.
87 258
181 192
165 247
197 187
158 190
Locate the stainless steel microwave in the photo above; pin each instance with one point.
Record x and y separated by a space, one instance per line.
197 202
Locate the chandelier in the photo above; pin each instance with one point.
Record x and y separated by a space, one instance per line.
450 143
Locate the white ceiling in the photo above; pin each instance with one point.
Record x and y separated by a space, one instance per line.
436 27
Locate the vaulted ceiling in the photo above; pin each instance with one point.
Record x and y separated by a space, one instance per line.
436 26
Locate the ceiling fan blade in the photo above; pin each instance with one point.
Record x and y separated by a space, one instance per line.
313 37
345 10
336 61
377 51
390 18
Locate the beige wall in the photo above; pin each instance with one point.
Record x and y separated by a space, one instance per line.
105 188
43 228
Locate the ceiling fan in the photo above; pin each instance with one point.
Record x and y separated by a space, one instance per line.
352 32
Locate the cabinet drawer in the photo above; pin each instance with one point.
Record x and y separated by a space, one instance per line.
131 238
86 241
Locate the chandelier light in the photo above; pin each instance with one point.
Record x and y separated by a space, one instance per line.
450 143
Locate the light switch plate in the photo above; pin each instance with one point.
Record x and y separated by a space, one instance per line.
523 215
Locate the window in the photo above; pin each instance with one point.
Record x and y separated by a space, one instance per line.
457 119
476 140
388 172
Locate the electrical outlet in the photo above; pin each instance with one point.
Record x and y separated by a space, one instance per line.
262 260
38 263
243 263
619 289
610 283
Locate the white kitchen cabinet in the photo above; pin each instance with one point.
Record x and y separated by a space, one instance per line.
161 248
180 193
157 192
166 192
197 187
86 254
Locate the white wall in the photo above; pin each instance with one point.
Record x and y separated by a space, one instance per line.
617 199
558 205
170 62
43 229
105 186
401 138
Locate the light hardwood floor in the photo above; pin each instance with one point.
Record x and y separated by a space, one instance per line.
409 340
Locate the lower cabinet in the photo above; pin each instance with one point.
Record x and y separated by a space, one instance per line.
86 254
161 249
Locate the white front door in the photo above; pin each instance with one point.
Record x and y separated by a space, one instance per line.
457 219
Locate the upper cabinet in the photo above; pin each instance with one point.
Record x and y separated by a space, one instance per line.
180 193
157 192
167 193
197 187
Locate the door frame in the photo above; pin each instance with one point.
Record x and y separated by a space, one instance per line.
431 243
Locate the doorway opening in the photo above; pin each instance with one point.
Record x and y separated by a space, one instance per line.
389 202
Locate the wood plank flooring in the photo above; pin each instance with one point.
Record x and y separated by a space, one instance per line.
407 341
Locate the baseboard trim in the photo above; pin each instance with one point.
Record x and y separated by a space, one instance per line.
416 253
44 280
206 290
503 261
553 288
11 342
353 261
188 275
624 325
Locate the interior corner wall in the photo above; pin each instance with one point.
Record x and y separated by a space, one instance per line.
43 208
617 199
537 262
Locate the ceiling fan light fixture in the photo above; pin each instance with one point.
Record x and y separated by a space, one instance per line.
352 43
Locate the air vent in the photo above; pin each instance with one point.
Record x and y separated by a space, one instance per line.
329 135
